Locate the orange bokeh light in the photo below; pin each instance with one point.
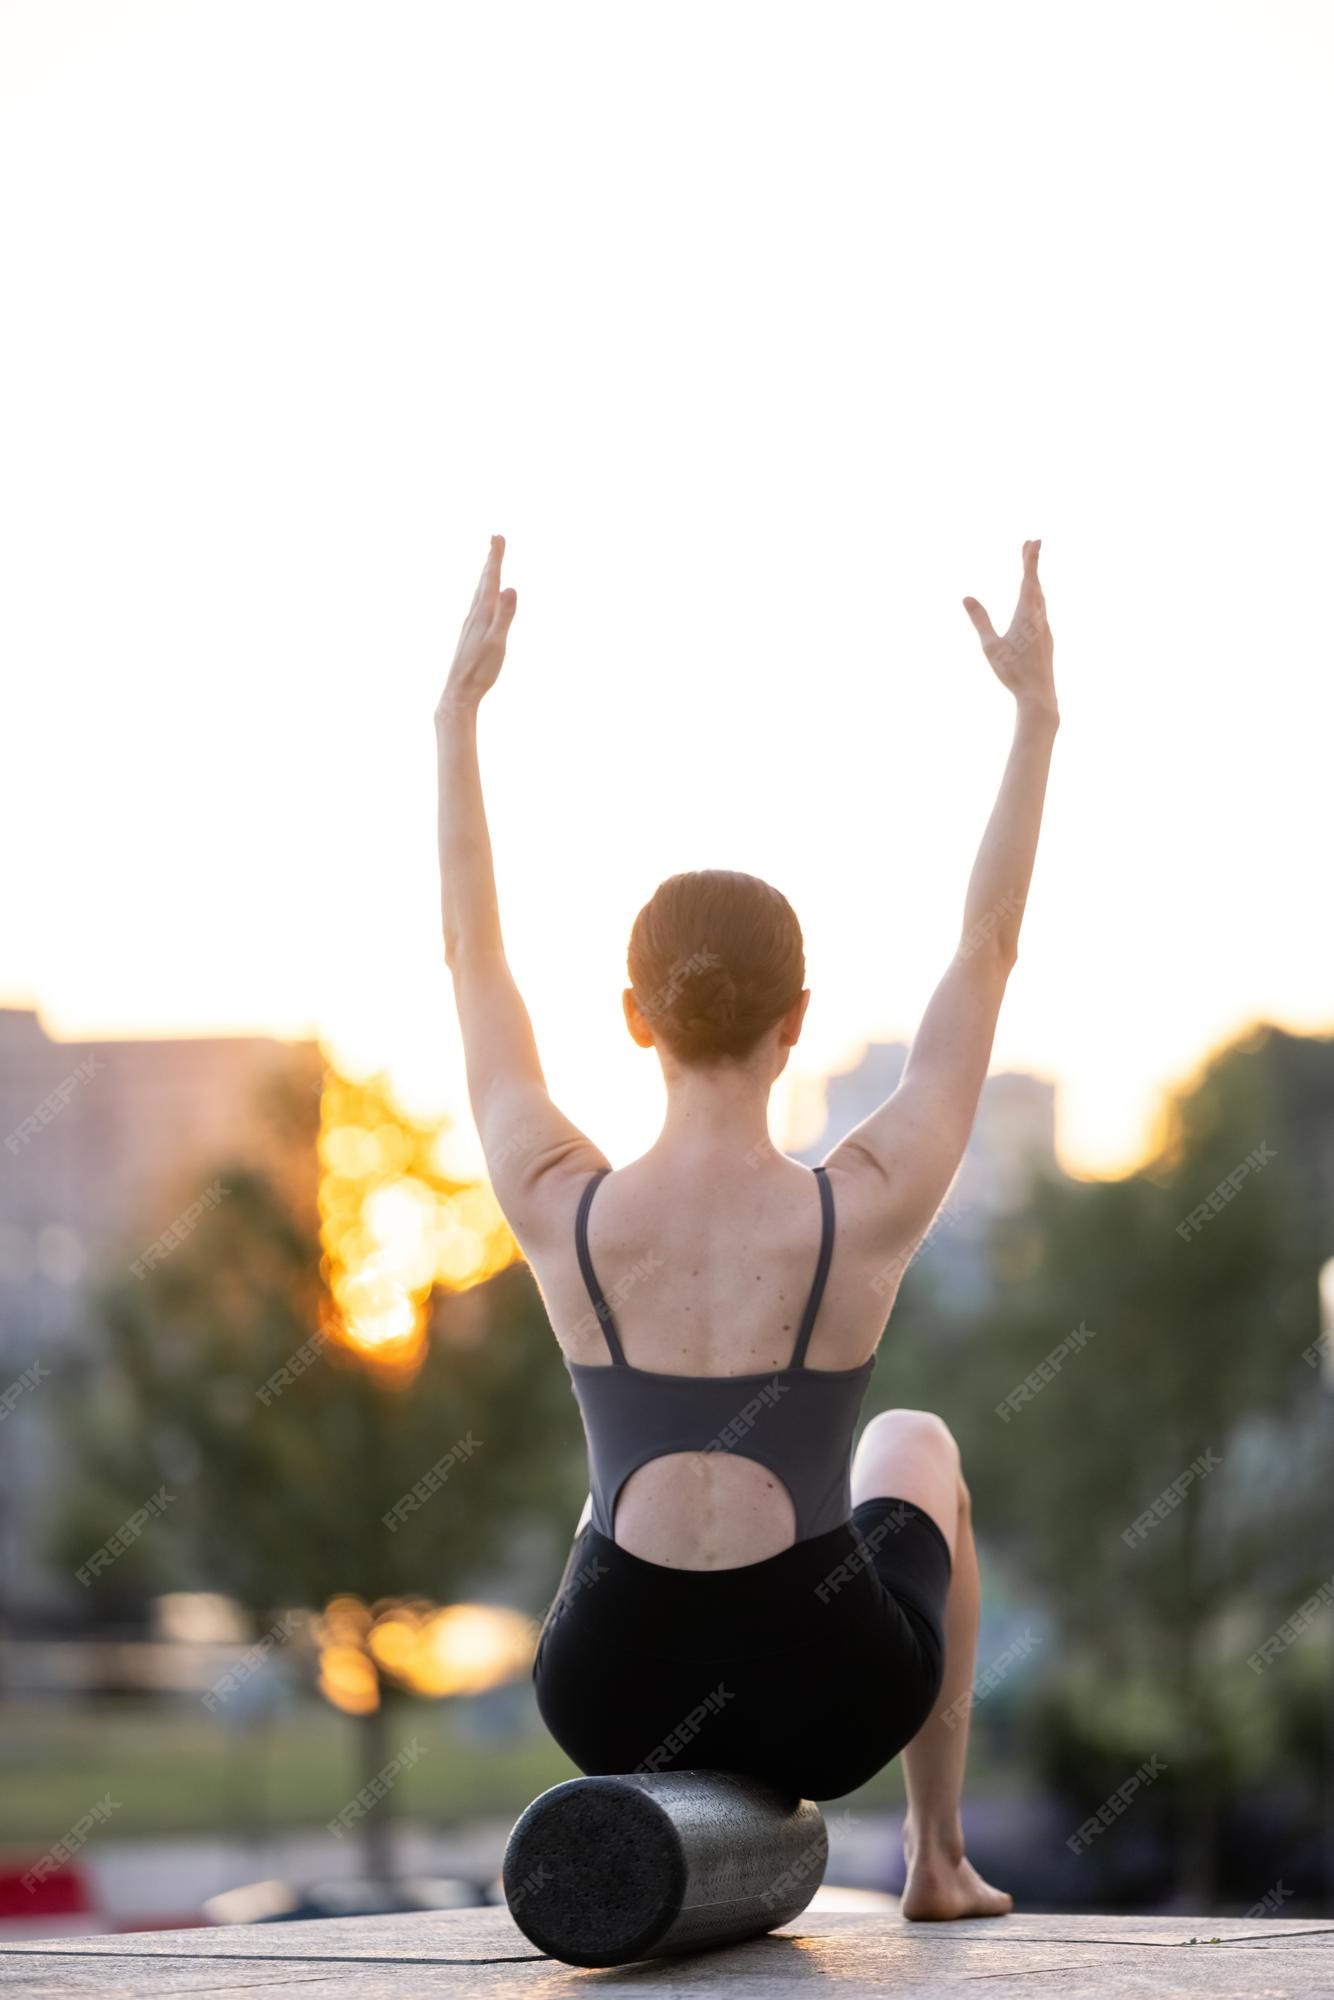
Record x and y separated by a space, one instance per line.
393 1227
424 1648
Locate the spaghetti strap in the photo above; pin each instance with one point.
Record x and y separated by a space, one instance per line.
821 1270
600 1306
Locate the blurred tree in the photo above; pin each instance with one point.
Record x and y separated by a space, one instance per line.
291 1457
1195 1355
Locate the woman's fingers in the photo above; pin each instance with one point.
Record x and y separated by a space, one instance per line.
502 602
488 581
1031 604
986 631
1030 617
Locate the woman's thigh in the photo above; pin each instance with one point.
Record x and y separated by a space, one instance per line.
911 1455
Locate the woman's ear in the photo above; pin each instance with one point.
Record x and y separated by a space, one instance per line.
789 1028
639 1029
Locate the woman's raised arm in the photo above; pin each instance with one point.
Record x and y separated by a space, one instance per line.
468 906
524 1136
909 1150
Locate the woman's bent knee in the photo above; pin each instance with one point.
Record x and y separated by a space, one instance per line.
912 1455
920 1426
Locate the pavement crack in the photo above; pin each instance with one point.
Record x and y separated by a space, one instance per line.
1031 1971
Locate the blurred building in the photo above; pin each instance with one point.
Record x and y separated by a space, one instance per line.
1013 1139
103 1146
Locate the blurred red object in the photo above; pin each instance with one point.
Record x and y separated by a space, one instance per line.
63 1892
63 1903
58 1904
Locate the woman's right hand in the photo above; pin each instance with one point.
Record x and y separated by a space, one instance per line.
481 649
1022 659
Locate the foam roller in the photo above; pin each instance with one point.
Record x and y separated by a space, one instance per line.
602 1871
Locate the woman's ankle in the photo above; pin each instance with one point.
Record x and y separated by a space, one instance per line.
934 1840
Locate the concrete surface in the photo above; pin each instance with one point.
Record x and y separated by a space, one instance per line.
466 1952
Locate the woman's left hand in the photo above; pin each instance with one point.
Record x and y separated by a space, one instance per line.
480 653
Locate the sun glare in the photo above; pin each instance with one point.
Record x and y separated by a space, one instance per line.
393 1227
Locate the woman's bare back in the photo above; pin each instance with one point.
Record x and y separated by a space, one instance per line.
707 1266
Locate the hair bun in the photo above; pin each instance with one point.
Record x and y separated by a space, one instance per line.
713 1001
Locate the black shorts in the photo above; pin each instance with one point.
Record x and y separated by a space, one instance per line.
809 1670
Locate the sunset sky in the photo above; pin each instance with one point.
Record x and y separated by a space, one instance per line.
764 333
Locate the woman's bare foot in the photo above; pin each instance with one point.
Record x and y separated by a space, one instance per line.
943 1883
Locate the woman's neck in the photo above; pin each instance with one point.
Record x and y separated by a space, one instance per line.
723 1110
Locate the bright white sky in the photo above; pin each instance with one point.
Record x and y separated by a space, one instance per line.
764 333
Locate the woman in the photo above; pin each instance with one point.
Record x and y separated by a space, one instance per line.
738 1595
